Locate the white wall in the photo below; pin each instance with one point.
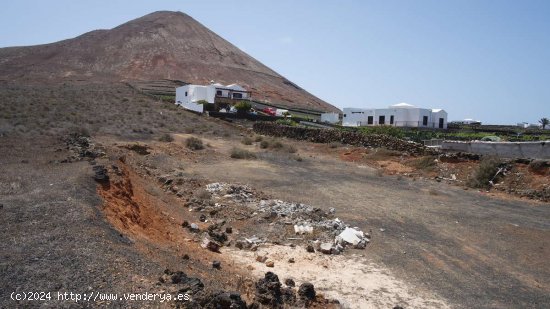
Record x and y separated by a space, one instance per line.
187 96
403 117
354 117
437 115
533 150
330 117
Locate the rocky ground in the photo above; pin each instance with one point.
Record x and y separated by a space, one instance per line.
240 220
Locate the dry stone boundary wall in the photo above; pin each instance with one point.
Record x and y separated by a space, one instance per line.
346 137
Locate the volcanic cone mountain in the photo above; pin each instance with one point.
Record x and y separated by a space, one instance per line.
160 45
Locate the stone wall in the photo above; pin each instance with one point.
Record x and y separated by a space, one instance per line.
345 137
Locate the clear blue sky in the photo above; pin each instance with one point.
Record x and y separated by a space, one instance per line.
481 59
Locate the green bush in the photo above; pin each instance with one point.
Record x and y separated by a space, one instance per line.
194 143
238 153
384 130
243 106
203 102
286 122
485 172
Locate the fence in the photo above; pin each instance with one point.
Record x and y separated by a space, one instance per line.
532 150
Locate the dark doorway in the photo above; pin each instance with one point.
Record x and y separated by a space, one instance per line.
441 121
369 119
425 121
382 120
391 119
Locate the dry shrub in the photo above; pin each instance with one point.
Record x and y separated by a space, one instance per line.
485 172
194 143
238 153
166 138
277 145
290 149
139 149
247 141
264 144
539 167
424 163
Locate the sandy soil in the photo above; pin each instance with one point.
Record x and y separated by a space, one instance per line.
348 278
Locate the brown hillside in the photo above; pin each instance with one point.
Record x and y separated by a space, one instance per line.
159 45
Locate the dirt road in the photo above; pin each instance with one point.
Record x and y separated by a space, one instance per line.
474 250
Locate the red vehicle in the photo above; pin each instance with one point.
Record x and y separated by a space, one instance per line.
269 110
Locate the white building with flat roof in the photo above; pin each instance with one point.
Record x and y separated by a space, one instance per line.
398 115
188 96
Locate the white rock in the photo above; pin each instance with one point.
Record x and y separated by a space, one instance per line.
349 235
326 248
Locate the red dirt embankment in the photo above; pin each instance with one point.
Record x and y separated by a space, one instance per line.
130 209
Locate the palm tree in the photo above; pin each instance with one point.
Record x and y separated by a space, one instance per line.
544 121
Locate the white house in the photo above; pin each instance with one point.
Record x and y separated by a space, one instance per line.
188 96
398 115
355 117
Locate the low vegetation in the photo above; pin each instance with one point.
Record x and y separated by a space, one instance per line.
486 173
277 145
194 143
427 163
287 122
385 130
243 106
166 138
247 140
139 148
540 167
239 153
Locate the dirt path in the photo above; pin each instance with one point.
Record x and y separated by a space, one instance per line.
476 251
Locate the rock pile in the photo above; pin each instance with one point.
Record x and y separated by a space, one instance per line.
101 174
335 235
82 147
179 282
332 135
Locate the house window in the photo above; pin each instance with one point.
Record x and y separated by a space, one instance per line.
219 93
369 119
382 120
186 93
237 96
391 119
441 121
425 120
